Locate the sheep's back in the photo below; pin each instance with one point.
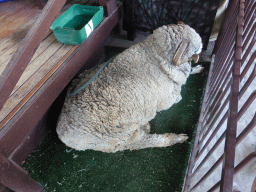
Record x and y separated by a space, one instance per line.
124 93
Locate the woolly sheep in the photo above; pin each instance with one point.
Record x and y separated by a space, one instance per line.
112 113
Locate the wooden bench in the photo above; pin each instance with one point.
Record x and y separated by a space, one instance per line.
35 68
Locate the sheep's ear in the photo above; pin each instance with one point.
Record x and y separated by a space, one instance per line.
178 58
181 22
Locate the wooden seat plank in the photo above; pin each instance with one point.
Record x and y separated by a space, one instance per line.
10 44
20 97
7 55
46 58
47 41
11 7
38 62
13 23
5 45
13 38
14 15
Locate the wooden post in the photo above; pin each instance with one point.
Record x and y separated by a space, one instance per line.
109 6
15 178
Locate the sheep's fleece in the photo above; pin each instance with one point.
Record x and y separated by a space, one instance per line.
112 113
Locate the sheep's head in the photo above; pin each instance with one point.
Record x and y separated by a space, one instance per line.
180 42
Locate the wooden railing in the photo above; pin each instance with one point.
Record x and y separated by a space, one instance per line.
220 112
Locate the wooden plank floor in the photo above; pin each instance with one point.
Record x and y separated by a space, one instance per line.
16 18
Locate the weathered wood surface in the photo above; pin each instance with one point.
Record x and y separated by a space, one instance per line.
49 71
27 48
48 55
14 15
48 90
17 179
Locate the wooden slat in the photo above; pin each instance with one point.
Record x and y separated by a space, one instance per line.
8 46
36 105
13 28
5 47
9 8
41 3
16 37
23 94
15 178
15 18
46 44
8 53
25 52
37 63
11 24
12 33
36 69
34 73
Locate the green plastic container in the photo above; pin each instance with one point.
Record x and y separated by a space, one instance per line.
76 24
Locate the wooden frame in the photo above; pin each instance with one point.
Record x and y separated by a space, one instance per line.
221 100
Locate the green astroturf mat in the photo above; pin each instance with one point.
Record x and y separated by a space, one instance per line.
60 168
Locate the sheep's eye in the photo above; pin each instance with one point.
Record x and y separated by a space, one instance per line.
199 49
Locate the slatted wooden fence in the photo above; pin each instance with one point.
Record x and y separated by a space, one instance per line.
224 153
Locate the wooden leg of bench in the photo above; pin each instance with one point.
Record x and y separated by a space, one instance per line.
130 19
118 28
16 178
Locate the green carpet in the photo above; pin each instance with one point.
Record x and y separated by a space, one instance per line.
60 168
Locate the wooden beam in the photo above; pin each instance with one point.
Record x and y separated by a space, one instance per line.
15 178
26 50
36 106
109 6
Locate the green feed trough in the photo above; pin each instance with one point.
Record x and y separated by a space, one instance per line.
76 24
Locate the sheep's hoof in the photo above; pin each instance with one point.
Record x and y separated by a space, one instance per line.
181 138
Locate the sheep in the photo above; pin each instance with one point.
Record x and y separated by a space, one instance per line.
113 113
